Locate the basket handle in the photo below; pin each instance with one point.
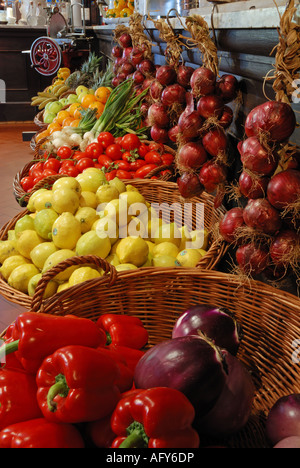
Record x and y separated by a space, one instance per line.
109 269
157 170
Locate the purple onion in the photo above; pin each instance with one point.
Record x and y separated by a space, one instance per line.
233 408
284 419
289 442
215 323
189 364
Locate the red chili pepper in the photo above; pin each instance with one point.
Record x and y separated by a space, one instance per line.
17 397
157 417
77 384
38 335
124 330
40 433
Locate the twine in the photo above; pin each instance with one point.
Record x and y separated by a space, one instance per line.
173 52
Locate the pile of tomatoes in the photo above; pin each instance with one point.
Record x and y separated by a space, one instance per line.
125 157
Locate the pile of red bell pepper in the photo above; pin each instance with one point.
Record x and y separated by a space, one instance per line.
67 382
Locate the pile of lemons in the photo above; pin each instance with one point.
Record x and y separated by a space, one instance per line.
88 215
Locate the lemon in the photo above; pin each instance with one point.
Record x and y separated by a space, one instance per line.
113 259
86 216
67 183
107 227
43 223
118 211
7 249
50 289
135 201
200 239
133 250
88 199
11 235
167 233
166 248
27 241
90 181
83 274
63 287
151 246
136 228
58 257
91 244
126 266
11 263
30 204
165 261
113 249
185 237
43 201
152 227
23 224
149 261
131 188
20 277
106 193
66 231
41 252
189 257
119 184
65 200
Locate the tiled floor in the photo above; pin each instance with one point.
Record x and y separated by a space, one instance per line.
14 154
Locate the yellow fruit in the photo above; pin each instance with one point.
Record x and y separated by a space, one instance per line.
167 233
165 248
66 231
165 261
7 249
119 184
113 249
20 277
10 264
134 198
185 237
41 252
189 258
23 224
11 235
152 227
126 266
65 200
107 227
86 216
90 181
113 259
83 274
135 228
106 193
43 201
50 289
200 239
58 257
131 188
91 244
43 223
151 246
133 250
88 199
27 241
67 182
62 287
30 204
118 211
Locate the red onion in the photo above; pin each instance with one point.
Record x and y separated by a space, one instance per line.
202 82
210 105
126 53
166 75
147 83
189 185
285 247
260 215
125 40
291 442
173 133
191 156
138 77
226 118
156 90
184 74
173 94
158 115
158 134
147 67
127 68
136 56
256 158
144 108
212 174
252 259
284 418
215 142
233 408
284 189
230 223
253 187
227 87
190 124
117 51
276 119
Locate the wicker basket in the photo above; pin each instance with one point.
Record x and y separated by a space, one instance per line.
269 318
39 120
154 192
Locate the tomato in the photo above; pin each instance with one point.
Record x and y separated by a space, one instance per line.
118 140
84 163
167 158
153 157
106 139
127 156
144 170
111 175
123 174
130 141
114 151
159 147
64 152
122 165
135 165
27 183
93 150
53 164
143 150
49 172
79 155
71 171
38 178
166 172
36 168
68 163
105 161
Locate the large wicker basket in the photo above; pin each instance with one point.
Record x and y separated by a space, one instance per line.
269 319
154 191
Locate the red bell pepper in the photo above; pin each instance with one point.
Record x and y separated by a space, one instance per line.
100 432
157 417
124 330
77 384
17 397
40 433
125 380
130 355
35 336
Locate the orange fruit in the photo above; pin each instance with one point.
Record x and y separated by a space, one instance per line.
61 116
87 100
102 94
67 122
99 106
54 127
41 135
75 123
74 110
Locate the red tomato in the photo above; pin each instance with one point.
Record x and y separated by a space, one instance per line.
36 168
68 163
118 140
153 157
64 152
114 151
135 165
122 165
71 171
38 178
144 170
111 175
167 159
79 155
130 142
105 161
27 183
123 174
106 139
53 164
159 147
127 156
84 163
93 150
165 172
143 150
49 172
